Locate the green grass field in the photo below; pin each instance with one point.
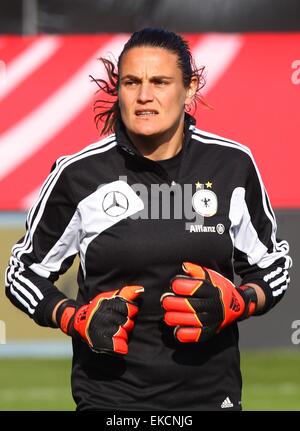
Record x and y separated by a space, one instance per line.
271 382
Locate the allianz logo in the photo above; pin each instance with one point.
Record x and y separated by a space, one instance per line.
220 228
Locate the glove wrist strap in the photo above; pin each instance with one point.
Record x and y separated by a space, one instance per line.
249 296
65 316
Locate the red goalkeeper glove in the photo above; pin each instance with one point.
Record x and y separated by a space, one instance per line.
203 302
105 322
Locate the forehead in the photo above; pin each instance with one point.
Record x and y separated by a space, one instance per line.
152 60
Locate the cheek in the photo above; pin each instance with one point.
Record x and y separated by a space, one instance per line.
176 101
124 101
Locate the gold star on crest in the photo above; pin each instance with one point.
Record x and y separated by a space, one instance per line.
208 184
198 185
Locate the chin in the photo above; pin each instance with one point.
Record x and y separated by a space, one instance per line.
146 132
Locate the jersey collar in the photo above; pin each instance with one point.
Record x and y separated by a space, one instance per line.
126 145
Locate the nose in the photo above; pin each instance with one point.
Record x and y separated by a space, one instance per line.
145 93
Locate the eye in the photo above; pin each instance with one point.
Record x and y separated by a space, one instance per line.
130 83
160 82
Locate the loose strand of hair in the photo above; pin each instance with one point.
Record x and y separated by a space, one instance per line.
108 108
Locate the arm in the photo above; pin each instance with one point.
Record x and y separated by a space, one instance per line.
261 298
54 316
259 257
46 251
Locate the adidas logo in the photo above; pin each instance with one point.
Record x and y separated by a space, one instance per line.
235 306
226 403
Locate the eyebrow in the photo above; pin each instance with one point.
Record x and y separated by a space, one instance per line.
151 78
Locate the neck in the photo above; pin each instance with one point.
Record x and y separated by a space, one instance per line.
160 146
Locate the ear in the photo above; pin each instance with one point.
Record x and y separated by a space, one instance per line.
191 90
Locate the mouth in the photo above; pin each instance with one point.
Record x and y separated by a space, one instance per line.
145 112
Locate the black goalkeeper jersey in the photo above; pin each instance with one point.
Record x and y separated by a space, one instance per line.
135 221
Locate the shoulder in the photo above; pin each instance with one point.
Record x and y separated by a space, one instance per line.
86 154
78 168
230 154
222 145
84 160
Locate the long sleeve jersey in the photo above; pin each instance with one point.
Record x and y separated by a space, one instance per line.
132 220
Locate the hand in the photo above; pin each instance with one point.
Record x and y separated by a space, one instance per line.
105 322
203 302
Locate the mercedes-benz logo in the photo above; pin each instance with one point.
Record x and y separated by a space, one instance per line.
115 204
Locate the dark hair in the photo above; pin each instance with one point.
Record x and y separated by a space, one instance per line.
155 37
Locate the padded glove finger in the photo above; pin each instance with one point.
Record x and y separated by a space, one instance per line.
203 302
105 322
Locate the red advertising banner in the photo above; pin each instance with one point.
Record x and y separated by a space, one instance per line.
46 104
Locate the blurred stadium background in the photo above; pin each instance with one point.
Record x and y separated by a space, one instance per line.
48 49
